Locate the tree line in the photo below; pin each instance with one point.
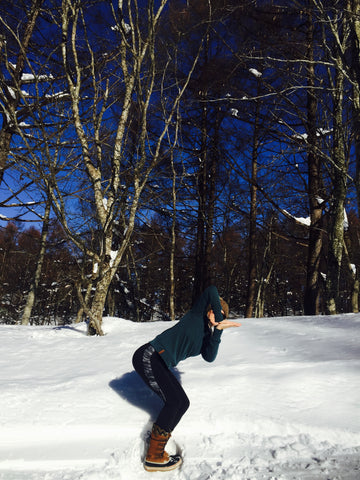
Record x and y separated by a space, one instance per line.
160 146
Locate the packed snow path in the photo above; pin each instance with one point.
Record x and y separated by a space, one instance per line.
281 402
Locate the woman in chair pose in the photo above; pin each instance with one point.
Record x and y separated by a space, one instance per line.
198 332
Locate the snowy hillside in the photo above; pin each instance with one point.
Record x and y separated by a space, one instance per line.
281 401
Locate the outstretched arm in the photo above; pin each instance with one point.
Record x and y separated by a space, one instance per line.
226 324
223 324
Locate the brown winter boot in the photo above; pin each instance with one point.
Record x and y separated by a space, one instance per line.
157 459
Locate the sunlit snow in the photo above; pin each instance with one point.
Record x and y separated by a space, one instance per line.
280 402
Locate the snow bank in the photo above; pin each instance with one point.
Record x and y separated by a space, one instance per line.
281 401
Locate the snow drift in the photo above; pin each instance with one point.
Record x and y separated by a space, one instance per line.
281 401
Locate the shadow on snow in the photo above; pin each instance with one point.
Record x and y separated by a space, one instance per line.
134 390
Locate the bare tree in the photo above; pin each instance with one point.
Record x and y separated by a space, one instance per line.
336 43
315 184
253 247
353 69
11 96
24 89
337 205
116 189
31 296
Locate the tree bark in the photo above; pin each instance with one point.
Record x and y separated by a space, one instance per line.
339 176
354 68
31 296
311 296
252 262
201 262
5 139
173 242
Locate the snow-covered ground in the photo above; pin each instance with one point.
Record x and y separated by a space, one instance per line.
281 401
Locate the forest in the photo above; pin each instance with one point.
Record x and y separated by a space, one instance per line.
151 148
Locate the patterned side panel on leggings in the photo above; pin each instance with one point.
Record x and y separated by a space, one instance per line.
148 353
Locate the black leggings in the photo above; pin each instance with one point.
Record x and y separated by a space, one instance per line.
153 370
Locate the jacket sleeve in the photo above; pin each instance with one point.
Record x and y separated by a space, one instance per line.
214 301
212 339
211 344
210 296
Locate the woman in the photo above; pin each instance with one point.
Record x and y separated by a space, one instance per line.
198 332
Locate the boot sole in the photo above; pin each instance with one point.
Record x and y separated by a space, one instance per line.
164 467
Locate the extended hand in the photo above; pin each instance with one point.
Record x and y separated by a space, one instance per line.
227 324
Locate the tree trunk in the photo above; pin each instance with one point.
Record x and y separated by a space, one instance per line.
110 303
353 274
39 264
336 223
98 304
201 261
354 7
336 235
311 296
133 272
5 139
211 199
252 272
200 255
173 243
355 294
260 301
356 133
265 274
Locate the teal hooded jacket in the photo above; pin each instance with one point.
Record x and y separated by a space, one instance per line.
191 335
